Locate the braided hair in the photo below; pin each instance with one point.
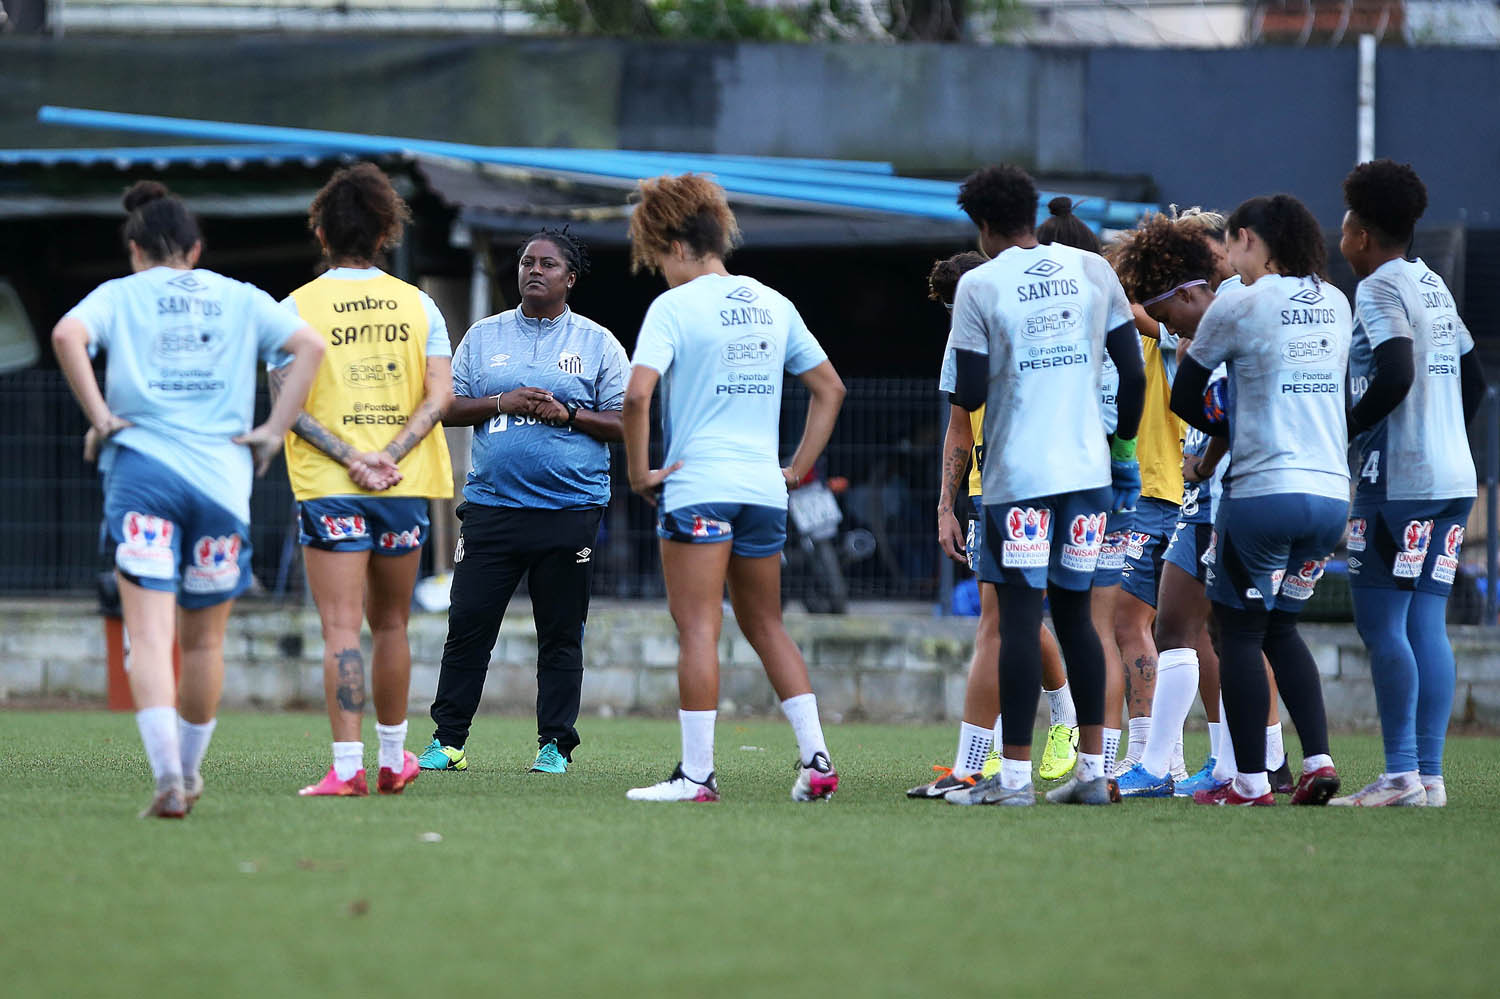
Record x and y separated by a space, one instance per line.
574 253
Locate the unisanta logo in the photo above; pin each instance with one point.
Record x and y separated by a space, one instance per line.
1306 349
707 527
188 282
1044 268
1417 536
215 553
143 529
1307 296
339 528
1027 523
742 294
1087 530
1453 541
391 540
1358 528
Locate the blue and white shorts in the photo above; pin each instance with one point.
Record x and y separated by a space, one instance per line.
1268 552
1185 549
169 537
386 525
1151 528
754 531
1050 539
1407 544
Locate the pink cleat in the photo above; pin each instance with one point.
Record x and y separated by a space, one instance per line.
816 781
390 782
355 787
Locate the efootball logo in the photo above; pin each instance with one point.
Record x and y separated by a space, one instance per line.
1307 296
742 294
1044 268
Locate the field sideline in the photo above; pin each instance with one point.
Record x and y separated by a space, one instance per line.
557 885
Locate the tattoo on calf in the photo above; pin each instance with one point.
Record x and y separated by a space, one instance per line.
351 680
1140 686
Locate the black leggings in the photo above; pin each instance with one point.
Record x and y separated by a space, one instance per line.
1021 657
1243 635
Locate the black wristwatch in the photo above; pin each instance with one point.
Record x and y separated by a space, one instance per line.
572 412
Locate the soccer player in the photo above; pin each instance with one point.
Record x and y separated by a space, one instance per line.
1416 381
1030 329
1284 338
718 343
364 463
542 386
173 436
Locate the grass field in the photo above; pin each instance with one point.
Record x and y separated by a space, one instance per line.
558 886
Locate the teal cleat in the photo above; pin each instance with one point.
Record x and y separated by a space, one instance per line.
549 760
440 757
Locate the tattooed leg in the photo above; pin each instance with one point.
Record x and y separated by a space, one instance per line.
337 580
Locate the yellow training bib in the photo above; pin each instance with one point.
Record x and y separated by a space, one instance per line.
1159 442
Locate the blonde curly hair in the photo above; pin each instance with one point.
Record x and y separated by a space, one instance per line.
690 209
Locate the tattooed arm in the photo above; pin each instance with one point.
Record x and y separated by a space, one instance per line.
438 393
958 441
368 471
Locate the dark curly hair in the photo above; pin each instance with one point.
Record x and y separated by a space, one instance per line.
575 253
690 209
1387 197
1002 197
359 212
1158 255
942 280
1062 226
1290 233
158 222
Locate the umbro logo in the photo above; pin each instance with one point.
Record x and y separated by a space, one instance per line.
498 360
584 554
1044 268
189 283
1308 296
742 294
1431 280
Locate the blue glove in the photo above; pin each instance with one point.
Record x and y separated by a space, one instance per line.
1126 484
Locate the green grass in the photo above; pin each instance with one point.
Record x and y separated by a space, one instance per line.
558 886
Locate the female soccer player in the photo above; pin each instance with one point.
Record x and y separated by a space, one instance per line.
1416 382
1284 338
542 386
173 435
1030 329
364 463
718 343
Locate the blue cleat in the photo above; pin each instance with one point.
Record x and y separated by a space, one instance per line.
440 757
549 760
1203 780
1138 782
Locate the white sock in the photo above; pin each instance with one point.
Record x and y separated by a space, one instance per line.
1111 747
1275 751
1014 773
1176 686
1312 763
1140 729
158 728
1432 780
1224 764
973 746
392 746
192 743
999 739
1090 766
697 743
1252 785
802 712
348 759
1215 733
1060 703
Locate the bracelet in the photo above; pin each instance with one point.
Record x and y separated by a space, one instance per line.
497 405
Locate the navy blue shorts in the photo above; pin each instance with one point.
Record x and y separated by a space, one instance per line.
1151 528
1050 539
1407 544
169 537
389 525
1267 552
1111 568
754 531
1186 547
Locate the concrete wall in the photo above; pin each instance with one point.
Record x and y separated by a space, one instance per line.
1210 127
891 666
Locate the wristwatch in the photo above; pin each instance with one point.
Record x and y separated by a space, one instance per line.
572 412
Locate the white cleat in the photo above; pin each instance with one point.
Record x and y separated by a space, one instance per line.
1384 791
816 781
678 787
1437 792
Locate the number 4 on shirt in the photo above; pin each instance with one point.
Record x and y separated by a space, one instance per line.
1371 470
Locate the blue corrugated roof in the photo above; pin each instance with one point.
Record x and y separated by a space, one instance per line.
269 153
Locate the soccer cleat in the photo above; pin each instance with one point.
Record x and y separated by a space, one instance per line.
678 787
1281 778
991 792
948 781
169 803
1122 766
1203 780
390 782
1083 792
816 781
1138 782
1178 770
549 760
1384 791
991 764
1227 795
1437 792
1060 754
1317 787
330 786
192 790
440 757
1114 791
